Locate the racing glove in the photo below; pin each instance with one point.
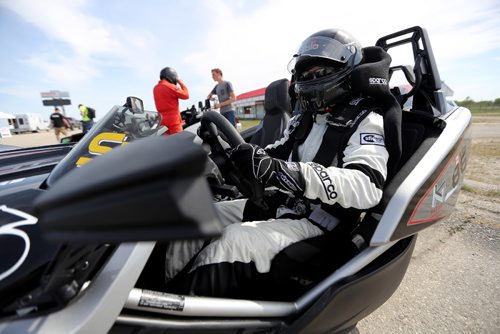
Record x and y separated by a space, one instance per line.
254 162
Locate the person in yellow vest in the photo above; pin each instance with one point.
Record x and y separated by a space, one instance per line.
87 122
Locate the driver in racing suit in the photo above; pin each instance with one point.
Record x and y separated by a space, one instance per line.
327 178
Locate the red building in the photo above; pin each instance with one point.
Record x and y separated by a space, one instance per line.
250 105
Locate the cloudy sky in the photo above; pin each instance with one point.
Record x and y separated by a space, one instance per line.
103 51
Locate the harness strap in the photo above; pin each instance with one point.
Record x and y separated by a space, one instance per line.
301 132
341 125
327 154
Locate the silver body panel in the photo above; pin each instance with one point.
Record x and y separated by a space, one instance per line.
456 124
228 308
97 308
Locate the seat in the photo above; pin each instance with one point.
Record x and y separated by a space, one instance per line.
277 109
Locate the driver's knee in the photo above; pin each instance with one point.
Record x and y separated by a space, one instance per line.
236 244
231 212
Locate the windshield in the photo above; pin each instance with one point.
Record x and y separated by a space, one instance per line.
120 126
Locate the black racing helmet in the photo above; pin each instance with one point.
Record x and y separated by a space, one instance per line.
322 66
169 74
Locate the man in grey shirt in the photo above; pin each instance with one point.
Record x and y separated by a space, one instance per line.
225 94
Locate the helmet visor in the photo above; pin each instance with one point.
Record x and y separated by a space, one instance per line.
322 47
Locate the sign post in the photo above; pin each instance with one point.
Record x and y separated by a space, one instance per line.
56 98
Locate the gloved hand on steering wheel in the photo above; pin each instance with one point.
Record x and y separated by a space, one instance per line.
255 163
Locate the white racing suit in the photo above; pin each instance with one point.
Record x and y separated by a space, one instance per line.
245 250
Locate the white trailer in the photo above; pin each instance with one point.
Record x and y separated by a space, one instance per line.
29 123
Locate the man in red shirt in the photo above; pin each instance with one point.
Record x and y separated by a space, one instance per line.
167 94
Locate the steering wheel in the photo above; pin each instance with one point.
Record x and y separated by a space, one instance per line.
213 127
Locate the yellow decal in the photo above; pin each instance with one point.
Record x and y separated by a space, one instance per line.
82 161
96 146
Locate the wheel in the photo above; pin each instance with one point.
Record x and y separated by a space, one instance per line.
214 128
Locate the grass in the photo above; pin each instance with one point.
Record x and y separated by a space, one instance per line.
481 167
248 123
486 149
468 189
485 111
479 112
491 115
485 118
476 191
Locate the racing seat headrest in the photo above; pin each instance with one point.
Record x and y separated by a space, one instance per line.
277 99
278 109
371 78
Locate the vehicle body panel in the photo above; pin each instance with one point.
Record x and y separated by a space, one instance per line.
425 196
23 162
96 309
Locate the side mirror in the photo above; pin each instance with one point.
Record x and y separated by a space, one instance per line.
207 104
135 104
200 105
152 189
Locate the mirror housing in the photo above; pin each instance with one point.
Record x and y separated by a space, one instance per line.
152 189
135 104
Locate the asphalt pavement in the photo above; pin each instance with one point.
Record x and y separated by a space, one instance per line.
33 139
452 282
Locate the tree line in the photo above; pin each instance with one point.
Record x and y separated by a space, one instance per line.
480 106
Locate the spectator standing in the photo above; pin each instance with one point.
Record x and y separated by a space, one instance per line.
167 93
87 122
59 123
225 94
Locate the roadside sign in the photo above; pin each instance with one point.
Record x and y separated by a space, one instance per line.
5 133
54 94
56 102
